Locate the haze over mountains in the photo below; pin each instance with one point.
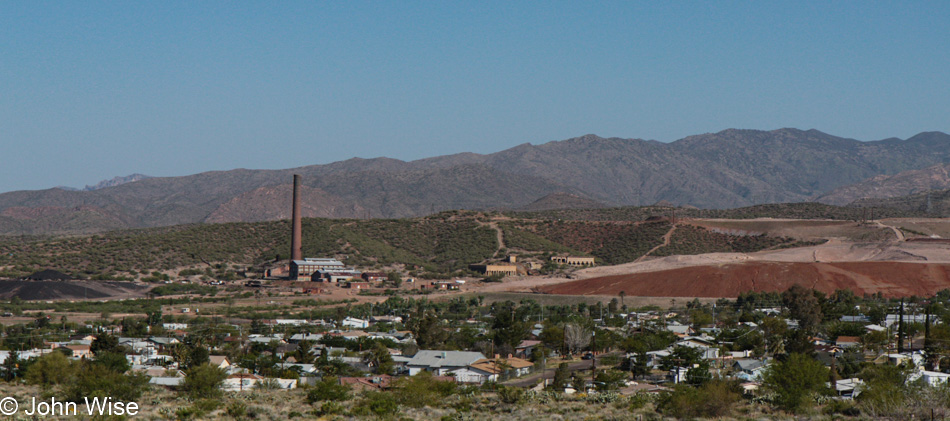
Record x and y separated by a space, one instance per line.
731 168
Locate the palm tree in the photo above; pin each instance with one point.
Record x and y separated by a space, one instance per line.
622 294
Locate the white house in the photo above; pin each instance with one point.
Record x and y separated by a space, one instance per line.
935 378
485 370
354 323
440 363
246 382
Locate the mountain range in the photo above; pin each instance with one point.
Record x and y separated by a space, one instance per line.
731 168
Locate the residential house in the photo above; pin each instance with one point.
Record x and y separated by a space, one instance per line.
310 337
494 369
441 363
526 348
934 378
848 341
79 351
220 361
855 319
749 369
163 342
354 323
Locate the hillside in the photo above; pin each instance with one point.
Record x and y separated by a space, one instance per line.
561 201
802 210
904 183
935 202
436 245
718 170
262 205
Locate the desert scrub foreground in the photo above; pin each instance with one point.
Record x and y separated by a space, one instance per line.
504 403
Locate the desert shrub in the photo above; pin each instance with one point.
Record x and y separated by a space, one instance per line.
638 401
328 408
237 409
328 389
98 380
847 408
423 390
510 394
381 404
713 399
267 384
203 381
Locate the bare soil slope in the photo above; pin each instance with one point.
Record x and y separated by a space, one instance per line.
892 279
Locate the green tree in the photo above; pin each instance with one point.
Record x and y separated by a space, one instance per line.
380 359
885 390
803 305
52 369
394 278
302 354
508 330
114 361
428 330
795 380
638 365
203 381
11 366
198 355
561 377
104 342
552 336
875 340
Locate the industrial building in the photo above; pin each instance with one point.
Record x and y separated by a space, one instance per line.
307 266
573 260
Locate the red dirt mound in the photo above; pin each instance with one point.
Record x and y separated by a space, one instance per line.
892 279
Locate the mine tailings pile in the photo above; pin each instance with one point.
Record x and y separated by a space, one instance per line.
892 279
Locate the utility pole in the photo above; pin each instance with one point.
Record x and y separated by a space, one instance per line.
900 328
593 356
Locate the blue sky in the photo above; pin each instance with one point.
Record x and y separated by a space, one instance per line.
91 90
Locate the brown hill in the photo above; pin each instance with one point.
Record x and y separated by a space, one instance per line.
904 183
273 203
892 279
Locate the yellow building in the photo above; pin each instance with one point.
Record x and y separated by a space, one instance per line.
496 269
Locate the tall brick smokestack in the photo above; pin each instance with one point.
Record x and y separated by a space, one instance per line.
296 252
